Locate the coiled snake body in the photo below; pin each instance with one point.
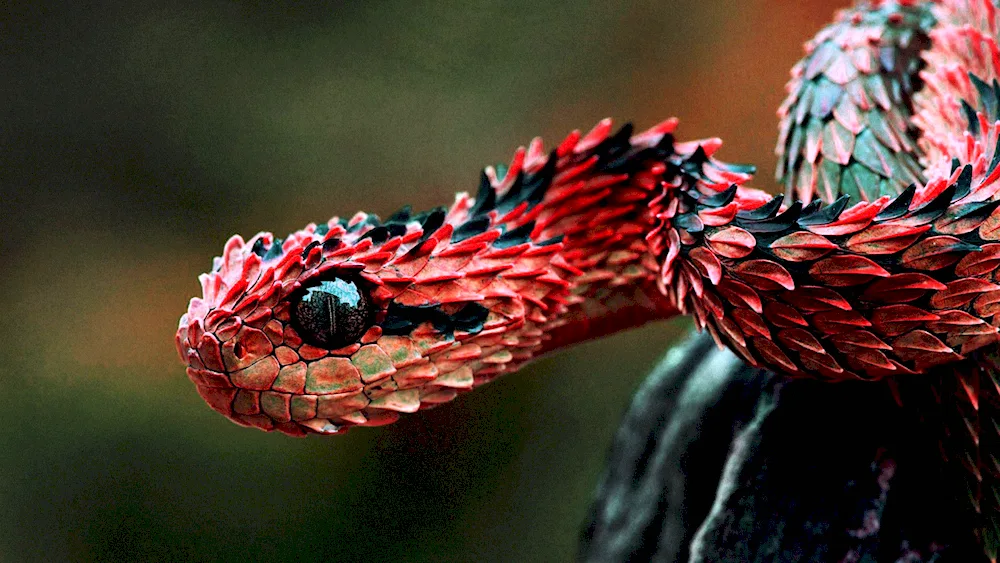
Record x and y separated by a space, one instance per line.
881 262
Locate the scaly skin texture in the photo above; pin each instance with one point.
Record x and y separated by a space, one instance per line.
951 94
883 267
551 251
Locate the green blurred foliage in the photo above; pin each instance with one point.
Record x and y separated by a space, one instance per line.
136 137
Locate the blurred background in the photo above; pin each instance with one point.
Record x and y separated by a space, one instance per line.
136 137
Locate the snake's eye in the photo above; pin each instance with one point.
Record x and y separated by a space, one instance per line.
331 313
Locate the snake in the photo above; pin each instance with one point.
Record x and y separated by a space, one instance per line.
879 262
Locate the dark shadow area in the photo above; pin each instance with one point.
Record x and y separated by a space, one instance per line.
720 462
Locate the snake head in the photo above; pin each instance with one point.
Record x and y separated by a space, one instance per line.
353 322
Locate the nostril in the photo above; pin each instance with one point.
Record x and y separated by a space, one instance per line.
238 350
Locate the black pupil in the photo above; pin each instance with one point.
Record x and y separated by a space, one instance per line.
332 313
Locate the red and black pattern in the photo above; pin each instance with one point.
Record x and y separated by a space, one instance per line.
551 250
890 287
883 267
955 113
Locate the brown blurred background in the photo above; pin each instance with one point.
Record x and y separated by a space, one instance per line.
134 139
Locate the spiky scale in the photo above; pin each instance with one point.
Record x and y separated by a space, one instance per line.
802 246
984 262
935 253
885 239
846 270
764 275
732 242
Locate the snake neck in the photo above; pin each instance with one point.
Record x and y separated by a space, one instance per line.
617 206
